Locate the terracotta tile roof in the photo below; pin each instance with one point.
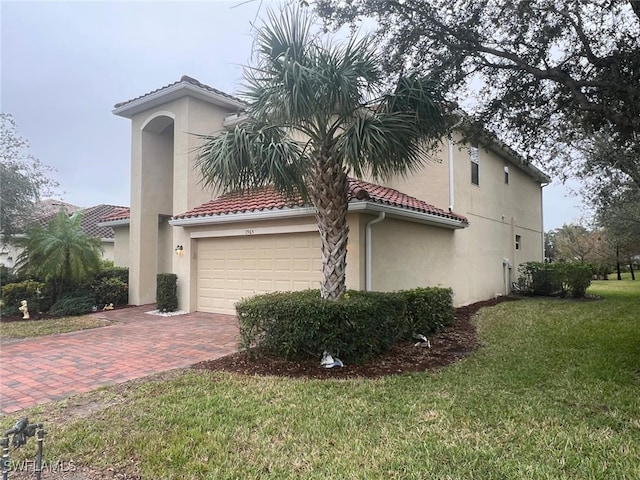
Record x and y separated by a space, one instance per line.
268 198
183 79
260 199
118 213
94 215
361 190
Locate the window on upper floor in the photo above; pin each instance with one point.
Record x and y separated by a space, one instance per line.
518 242
506 174
475 165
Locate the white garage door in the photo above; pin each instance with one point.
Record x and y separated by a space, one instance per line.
231 268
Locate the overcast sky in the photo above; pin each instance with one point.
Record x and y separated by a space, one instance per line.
65 64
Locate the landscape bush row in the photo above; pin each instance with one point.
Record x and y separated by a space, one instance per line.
356 328
109 286
562 279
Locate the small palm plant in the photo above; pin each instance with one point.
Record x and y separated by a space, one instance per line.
317 112
61 253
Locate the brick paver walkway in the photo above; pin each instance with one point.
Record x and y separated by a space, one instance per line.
39 370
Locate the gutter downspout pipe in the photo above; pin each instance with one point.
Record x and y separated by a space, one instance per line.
450 155
451 196
367 252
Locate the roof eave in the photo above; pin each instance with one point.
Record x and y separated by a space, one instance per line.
408 215
354 206
173 92
115 223
285 212
533 171
492 142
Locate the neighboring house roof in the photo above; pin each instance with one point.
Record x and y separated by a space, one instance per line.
118 213
48 207
91 218
185 86
362 196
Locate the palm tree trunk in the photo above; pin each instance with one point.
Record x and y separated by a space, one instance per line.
329 194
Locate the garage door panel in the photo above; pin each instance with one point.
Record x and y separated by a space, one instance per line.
232 268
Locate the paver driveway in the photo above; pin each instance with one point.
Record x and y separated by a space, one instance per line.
38 370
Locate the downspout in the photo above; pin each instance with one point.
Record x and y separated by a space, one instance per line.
450 155
544 253
367 248
451 197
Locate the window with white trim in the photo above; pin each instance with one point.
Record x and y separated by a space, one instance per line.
518 242
474 153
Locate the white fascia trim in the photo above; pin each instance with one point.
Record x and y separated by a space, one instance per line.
172 93
510 155
233 120
115 223
408 215
244 217
107 240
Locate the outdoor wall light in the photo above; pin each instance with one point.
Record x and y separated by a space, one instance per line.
179 250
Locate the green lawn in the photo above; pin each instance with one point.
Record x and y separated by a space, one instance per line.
49 326
553 393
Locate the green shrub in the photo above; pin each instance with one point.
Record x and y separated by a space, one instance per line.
75 303
578 279
428 310
14 293
167 292
111 290
300 325
537 278
121 273
7 276
555 278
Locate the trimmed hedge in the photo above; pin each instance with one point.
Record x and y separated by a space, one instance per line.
428 310
167 292
561 279
121 273
360 326
71 304
111 290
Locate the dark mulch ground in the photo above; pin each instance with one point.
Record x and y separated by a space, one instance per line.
447 346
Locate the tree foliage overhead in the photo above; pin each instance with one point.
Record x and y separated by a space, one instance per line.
317 111
23 179
553 73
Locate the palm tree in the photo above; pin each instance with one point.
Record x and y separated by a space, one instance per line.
317 112
60 254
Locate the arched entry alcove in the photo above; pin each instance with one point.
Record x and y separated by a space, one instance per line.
151 206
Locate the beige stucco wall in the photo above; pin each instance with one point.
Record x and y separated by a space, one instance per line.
165 182
108 249
408 255
121 246
472 260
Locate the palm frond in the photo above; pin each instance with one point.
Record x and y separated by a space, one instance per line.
253 155
420 96
382 146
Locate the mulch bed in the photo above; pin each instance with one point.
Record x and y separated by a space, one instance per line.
447 346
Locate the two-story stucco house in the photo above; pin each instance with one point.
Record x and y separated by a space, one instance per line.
465 221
